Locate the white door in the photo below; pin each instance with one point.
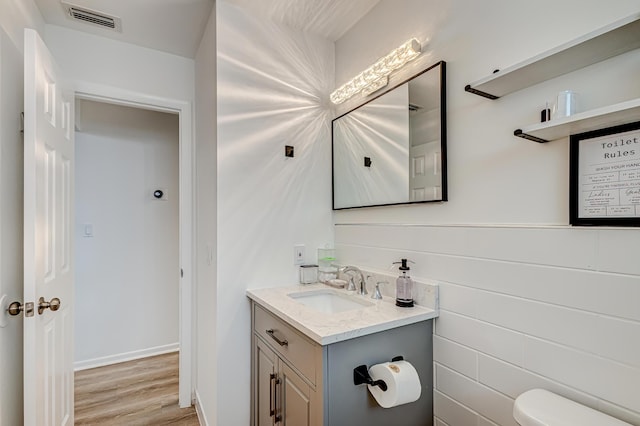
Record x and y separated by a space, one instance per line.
48 239
425 177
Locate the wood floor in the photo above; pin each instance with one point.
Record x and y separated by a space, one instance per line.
134 393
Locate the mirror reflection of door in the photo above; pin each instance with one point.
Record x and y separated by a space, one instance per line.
402 134
425 177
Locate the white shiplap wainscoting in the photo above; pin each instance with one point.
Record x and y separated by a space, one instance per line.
521 307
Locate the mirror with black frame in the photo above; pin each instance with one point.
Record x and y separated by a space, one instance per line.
392 149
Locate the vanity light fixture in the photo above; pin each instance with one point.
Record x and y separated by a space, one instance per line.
377 75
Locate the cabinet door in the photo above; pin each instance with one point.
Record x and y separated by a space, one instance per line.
296 398
265 382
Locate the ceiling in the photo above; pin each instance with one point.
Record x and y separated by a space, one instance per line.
327 18
176 26
173 26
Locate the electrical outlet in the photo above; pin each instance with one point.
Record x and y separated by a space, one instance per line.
298 254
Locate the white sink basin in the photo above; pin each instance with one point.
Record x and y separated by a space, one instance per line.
330 301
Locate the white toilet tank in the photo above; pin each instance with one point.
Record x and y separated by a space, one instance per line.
539 407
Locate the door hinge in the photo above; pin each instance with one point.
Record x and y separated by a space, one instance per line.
181 273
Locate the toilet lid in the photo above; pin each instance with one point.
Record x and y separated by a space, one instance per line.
539 407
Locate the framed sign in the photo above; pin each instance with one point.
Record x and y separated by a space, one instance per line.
604 180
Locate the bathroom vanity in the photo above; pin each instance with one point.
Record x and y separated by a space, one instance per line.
306 342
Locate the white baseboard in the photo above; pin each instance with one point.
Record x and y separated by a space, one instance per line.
127 356
201 417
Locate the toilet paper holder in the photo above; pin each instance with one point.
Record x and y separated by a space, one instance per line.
361 375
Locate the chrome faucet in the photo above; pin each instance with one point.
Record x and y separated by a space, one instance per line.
351 286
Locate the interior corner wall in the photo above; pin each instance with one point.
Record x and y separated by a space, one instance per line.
15 15
273 87
525 300
126 239
205 294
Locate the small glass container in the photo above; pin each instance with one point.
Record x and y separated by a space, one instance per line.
327 269
566 104
308 274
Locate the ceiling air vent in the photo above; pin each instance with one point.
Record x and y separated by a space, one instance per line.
92 17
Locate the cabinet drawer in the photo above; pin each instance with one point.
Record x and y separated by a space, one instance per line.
300 352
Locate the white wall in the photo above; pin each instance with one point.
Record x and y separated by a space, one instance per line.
273 87
15 15
526 301
206 225
98 60
127 272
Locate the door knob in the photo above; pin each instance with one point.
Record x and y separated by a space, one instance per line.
16 308
54 305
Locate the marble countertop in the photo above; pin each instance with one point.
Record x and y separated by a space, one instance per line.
325 328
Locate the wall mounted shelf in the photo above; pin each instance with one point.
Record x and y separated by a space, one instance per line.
611 115
615 39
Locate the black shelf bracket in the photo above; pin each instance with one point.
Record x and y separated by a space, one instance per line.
522 135
470 89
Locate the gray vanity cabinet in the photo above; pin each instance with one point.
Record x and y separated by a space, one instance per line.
350 405
286 375
298 382
266 363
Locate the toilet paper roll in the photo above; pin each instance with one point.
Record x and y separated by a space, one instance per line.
403 383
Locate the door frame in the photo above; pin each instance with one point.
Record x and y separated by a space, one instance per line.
117 96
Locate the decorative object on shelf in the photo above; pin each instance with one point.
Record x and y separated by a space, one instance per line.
596 46
545 114
566 105
376 76
595 119
604 178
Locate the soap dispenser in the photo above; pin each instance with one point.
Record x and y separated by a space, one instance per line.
404 286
